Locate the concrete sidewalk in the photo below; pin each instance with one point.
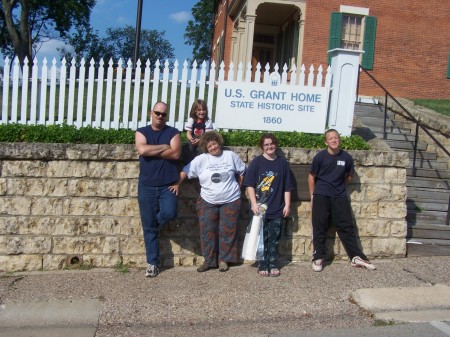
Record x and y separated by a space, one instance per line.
183 302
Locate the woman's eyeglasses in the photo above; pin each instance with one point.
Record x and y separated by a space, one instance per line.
162 114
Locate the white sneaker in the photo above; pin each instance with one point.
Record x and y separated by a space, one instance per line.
317 265
152 271
358 262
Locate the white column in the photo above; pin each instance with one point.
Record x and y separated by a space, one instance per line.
249 31
344 69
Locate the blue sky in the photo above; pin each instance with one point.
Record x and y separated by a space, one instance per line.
170 16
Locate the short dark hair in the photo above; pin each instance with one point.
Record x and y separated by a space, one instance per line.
265 136
211 136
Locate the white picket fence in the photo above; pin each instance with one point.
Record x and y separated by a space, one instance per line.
108 97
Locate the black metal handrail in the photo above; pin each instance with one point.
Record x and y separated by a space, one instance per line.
414 119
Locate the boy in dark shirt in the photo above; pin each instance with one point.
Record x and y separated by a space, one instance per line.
330 172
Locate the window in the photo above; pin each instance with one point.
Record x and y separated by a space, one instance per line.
351 32
448 66
355 32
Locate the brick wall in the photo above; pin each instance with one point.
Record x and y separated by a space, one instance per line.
61 204
411 51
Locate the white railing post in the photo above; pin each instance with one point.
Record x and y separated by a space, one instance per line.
345 68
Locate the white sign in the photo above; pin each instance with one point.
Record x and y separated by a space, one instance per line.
271 107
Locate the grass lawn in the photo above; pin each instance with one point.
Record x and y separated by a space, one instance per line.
439 105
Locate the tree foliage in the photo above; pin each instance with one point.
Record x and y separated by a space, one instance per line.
120 43
199 32
26 24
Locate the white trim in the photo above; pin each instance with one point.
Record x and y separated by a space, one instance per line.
354 10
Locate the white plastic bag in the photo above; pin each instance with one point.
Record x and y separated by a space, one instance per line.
251 239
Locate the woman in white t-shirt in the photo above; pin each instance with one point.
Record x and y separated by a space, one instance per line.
220 173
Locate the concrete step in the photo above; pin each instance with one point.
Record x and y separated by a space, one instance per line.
428 173
429 164
427 205
372 110
429 232
406 145
370 121
414 217
427 247
395 136
391 129
433 183
422 155
420 193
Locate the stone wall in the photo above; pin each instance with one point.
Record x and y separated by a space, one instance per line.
63 204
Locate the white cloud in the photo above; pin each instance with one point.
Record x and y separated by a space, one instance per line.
180 16
49 50
122 20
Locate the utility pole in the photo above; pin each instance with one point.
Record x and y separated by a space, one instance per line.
138 33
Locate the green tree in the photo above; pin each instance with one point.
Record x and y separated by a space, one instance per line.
26 24
119 43
199 32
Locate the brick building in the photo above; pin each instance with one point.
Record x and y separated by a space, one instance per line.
407 46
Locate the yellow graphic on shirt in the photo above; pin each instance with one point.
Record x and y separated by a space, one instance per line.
264 188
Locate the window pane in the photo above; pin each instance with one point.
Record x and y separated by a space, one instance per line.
351 32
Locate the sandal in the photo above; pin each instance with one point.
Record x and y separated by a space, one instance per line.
264 273
275 272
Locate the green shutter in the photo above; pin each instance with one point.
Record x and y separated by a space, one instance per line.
369 42
335 32
448 66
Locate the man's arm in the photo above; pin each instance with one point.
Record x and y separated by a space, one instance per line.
148 150
348 179
174 150
311 184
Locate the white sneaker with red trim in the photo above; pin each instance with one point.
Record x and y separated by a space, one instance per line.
358 262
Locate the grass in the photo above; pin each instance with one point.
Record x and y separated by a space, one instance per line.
122 268
441 106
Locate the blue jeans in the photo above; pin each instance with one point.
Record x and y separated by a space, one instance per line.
157 206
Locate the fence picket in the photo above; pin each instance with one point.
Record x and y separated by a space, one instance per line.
116 120
52 96
62 91
109 84
126 97
72 82
24 99
137 91
90 94
43 94
5 97
99 100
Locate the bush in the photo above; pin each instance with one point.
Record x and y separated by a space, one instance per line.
13 133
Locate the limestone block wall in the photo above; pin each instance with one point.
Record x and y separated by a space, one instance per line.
63 203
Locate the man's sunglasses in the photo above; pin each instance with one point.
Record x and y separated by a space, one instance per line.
162 114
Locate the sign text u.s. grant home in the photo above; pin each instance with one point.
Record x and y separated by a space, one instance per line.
271 106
